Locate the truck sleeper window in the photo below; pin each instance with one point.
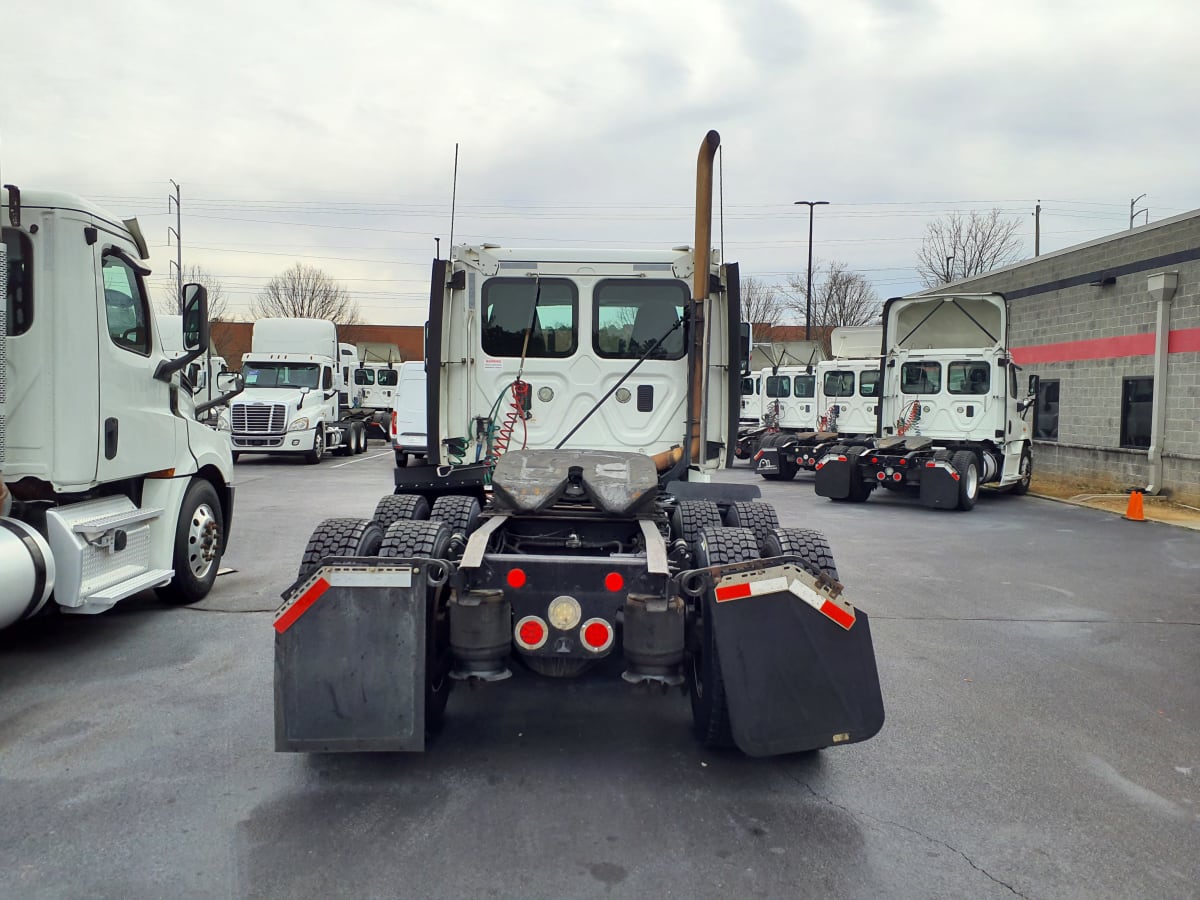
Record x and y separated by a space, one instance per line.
631 315
779 385
968 377
364 376
19 289
804 386
921 378
508 312
839 384
867 383
388 377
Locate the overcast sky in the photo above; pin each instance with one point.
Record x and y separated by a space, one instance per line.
326 132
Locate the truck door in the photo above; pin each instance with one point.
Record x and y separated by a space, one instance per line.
137 425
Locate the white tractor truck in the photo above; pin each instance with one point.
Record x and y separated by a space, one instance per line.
108 483
579 404
952 415
844 410
298 398
378 383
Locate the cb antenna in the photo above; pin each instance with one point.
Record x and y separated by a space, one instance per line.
453 196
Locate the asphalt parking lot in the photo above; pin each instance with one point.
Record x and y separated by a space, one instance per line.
1040 666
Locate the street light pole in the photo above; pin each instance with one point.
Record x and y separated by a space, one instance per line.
808 293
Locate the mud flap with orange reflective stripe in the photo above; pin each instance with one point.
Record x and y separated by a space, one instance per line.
796 658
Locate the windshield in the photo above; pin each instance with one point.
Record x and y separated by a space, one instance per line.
282 375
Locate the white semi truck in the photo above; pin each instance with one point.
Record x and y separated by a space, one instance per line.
843 411
299 398
579 403
951 413
108 483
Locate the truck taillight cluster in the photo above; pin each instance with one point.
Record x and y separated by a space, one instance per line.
532 632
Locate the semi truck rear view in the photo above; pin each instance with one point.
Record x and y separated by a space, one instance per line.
952 415
579 404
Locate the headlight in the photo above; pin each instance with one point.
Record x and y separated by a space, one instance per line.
223 422
299 424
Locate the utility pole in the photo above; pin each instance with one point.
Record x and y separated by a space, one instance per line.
1037 229
1133 215
178 245
808 293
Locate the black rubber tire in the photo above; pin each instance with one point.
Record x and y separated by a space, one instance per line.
340 537
360 445
197 532
806 543
690 516
461 513
758 517
401 459
317 453
394 507
967 467
706 685
407 538
1021 487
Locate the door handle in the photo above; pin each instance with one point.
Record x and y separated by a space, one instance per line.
110 438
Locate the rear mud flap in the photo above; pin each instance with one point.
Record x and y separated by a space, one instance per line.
832 478
939 488
795 677
768 461
350 657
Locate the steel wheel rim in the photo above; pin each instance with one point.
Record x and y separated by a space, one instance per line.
203 534
1026 471
972 481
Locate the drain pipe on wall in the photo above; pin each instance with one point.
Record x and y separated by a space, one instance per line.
1162 287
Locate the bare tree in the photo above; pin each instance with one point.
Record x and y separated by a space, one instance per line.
305 292
957 246
762 304
168 302
840 297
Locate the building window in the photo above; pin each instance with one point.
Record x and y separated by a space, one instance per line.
1137 395
1045 423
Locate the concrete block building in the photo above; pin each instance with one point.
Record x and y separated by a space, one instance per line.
1112 327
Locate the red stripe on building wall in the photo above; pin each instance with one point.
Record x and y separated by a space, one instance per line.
1185 340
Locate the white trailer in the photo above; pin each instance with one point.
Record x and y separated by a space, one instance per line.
297 398
951 415
108 483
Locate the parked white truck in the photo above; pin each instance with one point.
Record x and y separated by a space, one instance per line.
951 413
108 483
844 410
297 398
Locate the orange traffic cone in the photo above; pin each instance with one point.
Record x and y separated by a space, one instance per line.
1134 511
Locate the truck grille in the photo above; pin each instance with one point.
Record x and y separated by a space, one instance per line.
258 418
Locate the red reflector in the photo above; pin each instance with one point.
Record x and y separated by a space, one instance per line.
597 634
874 460
300 607
758 456
516 578
904 462
841 459
613 581
954 475
733 592
393 423
931 465
839 615
896 476
532 633
818 465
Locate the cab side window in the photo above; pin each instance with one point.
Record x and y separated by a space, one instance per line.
125 305
19 282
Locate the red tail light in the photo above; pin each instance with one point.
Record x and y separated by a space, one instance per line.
516 578
896 476
613 581
881 475
597 635
393 424
531 633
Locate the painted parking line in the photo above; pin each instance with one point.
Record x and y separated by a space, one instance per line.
362 459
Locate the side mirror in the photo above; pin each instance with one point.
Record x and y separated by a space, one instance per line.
744 346
195 316
230 384
195 331
228 381
1035 385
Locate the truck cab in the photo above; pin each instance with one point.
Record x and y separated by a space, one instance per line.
107 474
297 398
